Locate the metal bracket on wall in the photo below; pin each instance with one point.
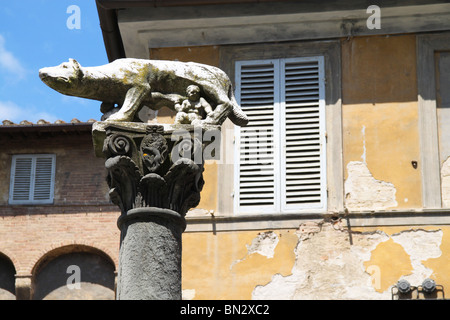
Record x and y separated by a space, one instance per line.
428 290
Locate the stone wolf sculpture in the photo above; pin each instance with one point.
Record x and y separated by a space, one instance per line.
133 83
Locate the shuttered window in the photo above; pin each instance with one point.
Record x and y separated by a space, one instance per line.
280 155
32 179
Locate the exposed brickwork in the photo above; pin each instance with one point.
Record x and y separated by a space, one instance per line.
82 213
80 176
28 238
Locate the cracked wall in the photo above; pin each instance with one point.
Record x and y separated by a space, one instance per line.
380 118
322 260
327 266
420 245
364 192
316 261
228 265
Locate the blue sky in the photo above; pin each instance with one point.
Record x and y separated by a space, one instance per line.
33 35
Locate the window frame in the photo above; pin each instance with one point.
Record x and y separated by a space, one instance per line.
31 200
280 205
331 50
427 45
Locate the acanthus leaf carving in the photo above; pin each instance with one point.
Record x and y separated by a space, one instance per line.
146 176
123 177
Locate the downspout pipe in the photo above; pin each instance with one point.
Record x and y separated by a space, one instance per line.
111 33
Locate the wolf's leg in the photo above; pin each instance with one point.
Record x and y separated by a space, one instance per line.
133 100
223 108
220 113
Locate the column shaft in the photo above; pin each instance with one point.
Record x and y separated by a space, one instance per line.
150 255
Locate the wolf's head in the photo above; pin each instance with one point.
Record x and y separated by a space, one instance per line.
64 78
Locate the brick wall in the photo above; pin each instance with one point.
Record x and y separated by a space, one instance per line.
80 176
26 239
82 213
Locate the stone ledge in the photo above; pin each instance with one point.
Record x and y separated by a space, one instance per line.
216 223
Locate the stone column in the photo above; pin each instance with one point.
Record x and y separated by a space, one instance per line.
24 287
155 175
150 254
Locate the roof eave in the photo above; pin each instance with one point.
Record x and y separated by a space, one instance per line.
107 12
60 127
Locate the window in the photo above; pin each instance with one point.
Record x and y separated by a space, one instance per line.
32 179
280 155
433 63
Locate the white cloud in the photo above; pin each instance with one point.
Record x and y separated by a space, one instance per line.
11 111
9 62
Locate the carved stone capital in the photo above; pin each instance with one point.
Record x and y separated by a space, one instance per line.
157 166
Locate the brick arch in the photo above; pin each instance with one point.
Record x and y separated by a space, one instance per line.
56 250
49 277
11 257
7 278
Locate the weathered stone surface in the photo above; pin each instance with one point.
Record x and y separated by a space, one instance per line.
155 175
155 172
149 166
126 85
150 255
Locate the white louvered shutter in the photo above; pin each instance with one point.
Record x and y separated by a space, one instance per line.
303 130
280 155
257 93
32 179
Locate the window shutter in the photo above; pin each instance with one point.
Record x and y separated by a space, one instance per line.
32 179
303 131
43 179
281 153
257 93
22 179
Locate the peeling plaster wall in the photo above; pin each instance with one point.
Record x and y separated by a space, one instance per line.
380 115
264 244
228 265
420 245
327 266
379 118
324 260
445 183
319 260
363 191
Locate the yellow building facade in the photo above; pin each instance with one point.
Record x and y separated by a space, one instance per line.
339 187
383 214
357 253
347 195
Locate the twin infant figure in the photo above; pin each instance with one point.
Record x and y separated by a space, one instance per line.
193 109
